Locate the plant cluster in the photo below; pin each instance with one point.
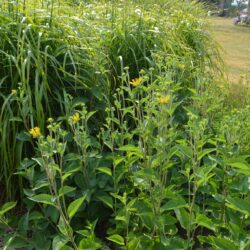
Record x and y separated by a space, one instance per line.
120 136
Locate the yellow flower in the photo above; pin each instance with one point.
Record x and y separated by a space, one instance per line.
75 118
135 82
35 132
164 99
13 91
221 86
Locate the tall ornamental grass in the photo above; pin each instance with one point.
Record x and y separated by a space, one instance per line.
50 49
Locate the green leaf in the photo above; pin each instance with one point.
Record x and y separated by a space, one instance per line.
23 136
43 198
187 151
39 161
238 204
58 242
65 190
204 221
148 219
15 242
63 227
36 216
241 167
105 170
118 239
218 242
106 199
6 207
89 244
205 152
90 114
132 149
75 205
183 217
177 202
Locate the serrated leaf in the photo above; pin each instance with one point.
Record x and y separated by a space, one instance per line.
6 207
74 206
118 239
43 198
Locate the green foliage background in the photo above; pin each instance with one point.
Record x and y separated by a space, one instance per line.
160 165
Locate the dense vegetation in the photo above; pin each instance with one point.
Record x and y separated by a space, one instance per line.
116 129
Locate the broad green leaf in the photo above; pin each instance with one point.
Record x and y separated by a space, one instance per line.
174 203
90 114
122 199
134 244
39 161
15 242
218 242
183 217
205 152
65 190
105 170
72 157
148 219
241 167
23 136
106 199
89 244
43 198
35 215
118 239
75 205
40 184
67 248
6 207
204 221
187 151
63 228
58 242
239 205
133 150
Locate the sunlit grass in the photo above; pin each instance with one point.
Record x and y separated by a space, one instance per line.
235 41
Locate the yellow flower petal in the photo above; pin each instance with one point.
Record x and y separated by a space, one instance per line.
135 82
35 132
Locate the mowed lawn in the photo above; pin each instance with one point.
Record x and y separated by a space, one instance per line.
235 42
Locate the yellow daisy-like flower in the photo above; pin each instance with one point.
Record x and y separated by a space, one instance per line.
75 118
13 91
164 99
35 132
135 82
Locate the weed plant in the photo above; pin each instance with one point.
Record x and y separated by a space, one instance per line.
112 122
